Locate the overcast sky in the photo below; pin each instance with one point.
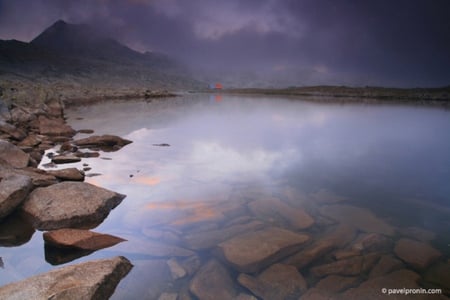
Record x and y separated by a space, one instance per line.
383 42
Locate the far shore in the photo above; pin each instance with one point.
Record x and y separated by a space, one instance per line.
426 96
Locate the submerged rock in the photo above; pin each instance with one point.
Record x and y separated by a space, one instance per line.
13 190
360 218
90 280
417 254
373 288
12 155
438 276
105 142
349 267
337 284
338 237
385 265
209 239
81 239
65 159
253 251
267 207
276 282
70 205
213 282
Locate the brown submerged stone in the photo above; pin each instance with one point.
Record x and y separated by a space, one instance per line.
253 251
417 254
337 284
279 281
213 282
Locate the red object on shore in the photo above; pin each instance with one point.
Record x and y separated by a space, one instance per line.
218 86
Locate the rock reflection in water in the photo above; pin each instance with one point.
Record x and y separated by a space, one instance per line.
15 230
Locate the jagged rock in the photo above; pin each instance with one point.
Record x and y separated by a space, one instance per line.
30 141
267 207
385 265
13 190
348 267
209 239
336 284
276 282
417 254
438 276
105 142
54 127
13 131
80 239
338 237
72 174
12 155
360 218
373 288
253 251
212 282
70 205
90 280
65 159
39 178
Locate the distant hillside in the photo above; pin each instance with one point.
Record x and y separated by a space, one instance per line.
78 56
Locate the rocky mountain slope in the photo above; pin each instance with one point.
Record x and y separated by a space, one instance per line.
75 59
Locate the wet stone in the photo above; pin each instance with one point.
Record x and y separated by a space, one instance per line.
70 205
13 190
54 127
438 276
279 281
253 251
361 218
317 294
373 242
268 207
385 265
417 254
12 155
209 239
65 159
176 270
80 239
72 174
90 280
347 267
418 233
337 284
372 288
213 282
338 237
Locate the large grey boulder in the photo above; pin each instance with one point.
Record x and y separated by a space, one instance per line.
13 190
70 205
90 280
13 155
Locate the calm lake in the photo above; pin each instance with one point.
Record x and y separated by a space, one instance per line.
336 162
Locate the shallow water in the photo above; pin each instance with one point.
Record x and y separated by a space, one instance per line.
393 160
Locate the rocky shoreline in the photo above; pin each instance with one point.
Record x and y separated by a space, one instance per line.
57 201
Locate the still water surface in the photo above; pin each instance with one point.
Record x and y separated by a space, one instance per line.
391 159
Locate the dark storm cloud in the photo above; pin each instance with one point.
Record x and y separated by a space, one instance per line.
324 41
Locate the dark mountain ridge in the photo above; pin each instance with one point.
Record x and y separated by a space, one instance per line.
79 52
